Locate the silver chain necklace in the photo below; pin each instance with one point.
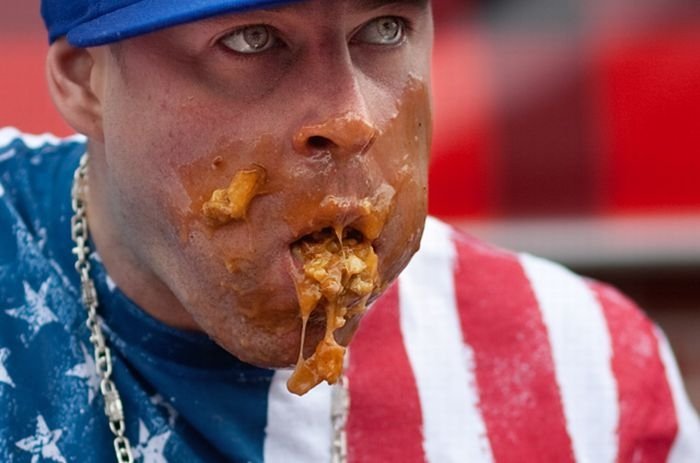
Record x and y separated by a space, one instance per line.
114 409
103 357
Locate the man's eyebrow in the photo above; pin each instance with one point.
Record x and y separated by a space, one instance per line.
376 4
361 5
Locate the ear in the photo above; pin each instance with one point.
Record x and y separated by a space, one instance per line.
75 78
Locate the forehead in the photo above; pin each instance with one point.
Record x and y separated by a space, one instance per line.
361 4
331 5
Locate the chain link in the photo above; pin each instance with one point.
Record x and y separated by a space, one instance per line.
114 409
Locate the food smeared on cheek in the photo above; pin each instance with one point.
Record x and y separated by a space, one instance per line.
231 203
339 273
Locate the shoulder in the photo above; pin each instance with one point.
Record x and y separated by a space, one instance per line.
42 364
35 180
15 144
583 325
33 168
542 344
484 273
23 155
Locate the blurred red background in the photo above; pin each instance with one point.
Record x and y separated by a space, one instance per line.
572 107
568 128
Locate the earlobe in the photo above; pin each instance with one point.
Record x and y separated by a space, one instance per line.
75 84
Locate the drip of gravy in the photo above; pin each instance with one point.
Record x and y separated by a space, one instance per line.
339 274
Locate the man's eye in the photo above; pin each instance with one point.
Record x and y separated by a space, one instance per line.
251 39
387 30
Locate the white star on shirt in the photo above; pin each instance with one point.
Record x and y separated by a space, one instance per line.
88 373
4 375
35 311
150 449
42 445
158 400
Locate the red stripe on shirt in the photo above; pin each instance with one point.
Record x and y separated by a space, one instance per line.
518 394
385 420
647 425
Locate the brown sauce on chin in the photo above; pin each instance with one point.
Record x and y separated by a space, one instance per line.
339 273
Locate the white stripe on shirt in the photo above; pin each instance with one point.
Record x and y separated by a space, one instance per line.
298 428
686 447
582 353
453 427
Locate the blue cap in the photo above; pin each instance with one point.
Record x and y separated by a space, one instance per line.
88 23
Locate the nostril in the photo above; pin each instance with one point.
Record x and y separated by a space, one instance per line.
318 142
342 136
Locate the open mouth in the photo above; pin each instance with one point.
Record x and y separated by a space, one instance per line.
337 272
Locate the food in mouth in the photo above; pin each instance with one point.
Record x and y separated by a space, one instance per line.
338 274
231 203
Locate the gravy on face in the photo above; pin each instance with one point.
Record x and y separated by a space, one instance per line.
338 274
231 203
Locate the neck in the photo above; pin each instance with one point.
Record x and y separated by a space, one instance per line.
118 251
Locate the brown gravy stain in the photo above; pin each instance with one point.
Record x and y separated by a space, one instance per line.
231 203
339 273
202 177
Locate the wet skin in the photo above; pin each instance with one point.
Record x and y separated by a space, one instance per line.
340 124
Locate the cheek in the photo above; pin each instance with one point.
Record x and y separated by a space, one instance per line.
405 144
403 153
151 138
151 117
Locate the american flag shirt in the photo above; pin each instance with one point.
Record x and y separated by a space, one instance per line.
474 355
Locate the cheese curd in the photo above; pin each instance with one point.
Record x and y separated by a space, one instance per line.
231 203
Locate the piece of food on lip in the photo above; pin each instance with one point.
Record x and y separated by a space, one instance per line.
340 274
373 211
232 203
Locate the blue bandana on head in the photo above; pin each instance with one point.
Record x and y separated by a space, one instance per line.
88 23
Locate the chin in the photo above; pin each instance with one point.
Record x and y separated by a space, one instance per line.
265 351
269 335
254 312
264 348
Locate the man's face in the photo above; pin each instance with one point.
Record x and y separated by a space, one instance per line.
329 98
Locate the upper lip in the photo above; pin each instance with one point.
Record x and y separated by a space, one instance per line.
367 214
342 218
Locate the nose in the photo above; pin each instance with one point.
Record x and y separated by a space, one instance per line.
336 117
340 136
